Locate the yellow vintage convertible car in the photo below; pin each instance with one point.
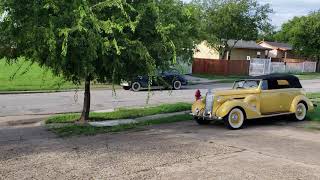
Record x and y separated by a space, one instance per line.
259 97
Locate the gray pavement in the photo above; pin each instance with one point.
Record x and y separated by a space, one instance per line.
185 150
62 102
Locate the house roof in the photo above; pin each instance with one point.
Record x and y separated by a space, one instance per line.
241 44
279 45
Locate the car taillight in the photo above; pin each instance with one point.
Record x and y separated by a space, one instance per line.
198 95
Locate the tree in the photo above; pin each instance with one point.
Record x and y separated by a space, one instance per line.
86 40
268 34
235 20
183 22
304 34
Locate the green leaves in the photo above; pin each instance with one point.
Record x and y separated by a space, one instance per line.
233 20
304 34
109 40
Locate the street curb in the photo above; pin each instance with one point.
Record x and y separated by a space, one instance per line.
49 91
16 121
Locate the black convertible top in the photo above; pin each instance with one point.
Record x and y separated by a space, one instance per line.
272 78
277 77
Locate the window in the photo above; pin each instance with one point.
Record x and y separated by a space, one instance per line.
278 84
258 54
246 84
264 85
283 83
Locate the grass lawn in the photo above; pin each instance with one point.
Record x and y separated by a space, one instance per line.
220 79
315 116
32 78
308 76
76 130
122 113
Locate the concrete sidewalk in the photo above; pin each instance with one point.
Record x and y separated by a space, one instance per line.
110 123
197 80
32 119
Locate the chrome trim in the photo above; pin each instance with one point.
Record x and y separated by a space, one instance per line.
209 103
211 118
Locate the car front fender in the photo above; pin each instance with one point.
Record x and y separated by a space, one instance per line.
227 106
301 98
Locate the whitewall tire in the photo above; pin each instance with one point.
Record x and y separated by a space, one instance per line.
301 112
177 85
235 119
136 86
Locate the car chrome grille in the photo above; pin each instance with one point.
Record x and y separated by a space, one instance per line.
209 103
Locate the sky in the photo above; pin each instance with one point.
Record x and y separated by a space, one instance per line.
285 10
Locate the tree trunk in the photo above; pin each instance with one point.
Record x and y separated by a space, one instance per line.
229 54
224 54
86 103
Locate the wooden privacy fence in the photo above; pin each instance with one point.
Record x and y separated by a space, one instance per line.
220 67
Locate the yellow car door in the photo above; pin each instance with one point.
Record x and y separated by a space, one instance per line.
287 94
271 101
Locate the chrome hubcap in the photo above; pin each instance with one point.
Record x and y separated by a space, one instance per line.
177 84
301 111
235 117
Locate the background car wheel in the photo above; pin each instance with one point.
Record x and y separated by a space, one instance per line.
177 85
201 121
136 86
301 112
235 119
126 87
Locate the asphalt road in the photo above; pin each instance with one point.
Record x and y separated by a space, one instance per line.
48 103
185 150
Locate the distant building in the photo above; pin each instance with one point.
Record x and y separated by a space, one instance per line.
242 51
279 50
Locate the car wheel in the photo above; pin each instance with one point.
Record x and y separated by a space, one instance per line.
301 112
201 121
177 85
136 86
126 87
235 119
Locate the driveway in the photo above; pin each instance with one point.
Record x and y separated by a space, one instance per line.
48 103
264 150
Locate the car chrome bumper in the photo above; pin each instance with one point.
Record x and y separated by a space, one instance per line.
124 84
206 117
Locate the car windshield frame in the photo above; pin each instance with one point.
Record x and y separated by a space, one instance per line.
245 81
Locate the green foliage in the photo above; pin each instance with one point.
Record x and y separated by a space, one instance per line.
87 130
106 40
236 20
315 98
123 113
304 34
182 22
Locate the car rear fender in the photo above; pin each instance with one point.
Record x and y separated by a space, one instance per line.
301 98
226 107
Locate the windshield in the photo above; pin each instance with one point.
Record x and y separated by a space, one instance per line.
246 84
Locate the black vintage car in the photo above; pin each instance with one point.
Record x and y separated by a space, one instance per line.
170 79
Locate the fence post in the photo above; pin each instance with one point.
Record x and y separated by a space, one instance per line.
303 64
264 67
270 64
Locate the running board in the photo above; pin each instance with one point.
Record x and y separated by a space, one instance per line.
278 114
